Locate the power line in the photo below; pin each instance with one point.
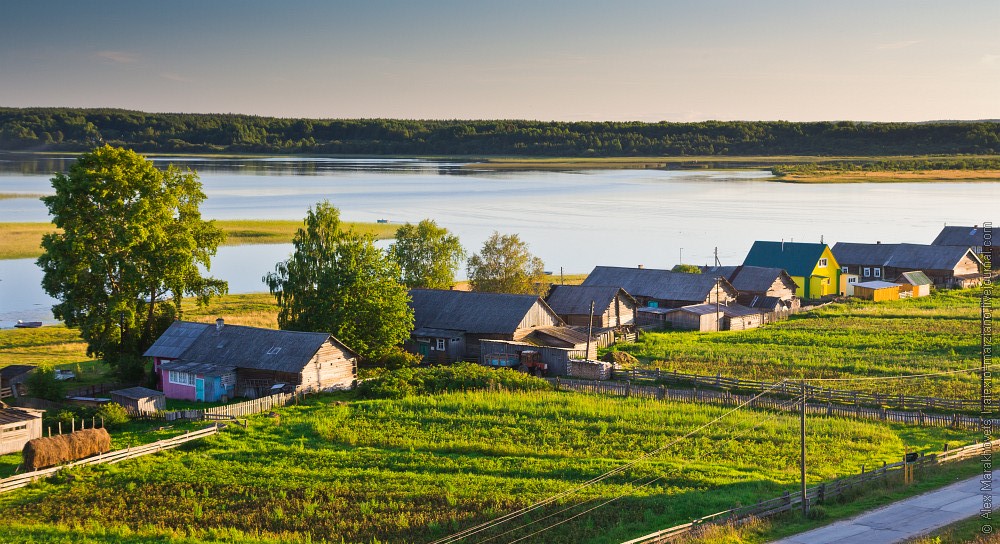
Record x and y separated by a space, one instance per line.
899 377
518 513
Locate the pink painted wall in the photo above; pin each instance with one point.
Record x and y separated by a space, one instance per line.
176 391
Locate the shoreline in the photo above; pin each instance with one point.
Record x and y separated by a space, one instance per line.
22 240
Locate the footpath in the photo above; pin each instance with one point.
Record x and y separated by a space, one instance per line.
901 520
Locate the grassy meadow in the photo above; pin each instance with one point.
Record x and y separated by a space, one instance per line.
856 338
22 240
421 467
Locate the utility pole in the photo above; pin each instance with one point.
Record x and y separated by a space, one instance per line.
590 330
562 281
680 257
717 261
718 325
802 440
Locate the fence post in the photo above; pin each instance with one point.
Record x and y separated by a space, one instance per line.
663 392
821 493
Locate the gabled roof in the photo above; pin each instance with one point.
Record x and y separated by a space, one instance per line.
915 256
699 309
237 346
914 278
761 302
12 371
14 415
565 334
176 339
473 312
576 299
797 258
658 284
961 236
750 278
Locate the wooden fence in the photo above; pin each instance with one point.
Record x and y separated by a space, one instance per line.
728 398
837 396
229 411
814 495
21 480
6 392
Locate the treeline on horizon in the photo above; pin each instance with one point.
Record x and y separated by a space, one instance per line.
68 129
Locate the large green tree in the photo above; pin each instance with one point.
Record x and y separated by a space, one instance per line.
428 255
505 265
337 281
130 244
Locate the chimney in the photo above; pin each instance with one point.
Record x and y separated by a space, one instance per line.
878 241
782 244
219 323
641 266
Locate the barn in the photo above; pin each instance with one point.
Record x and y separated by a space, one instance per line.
696 317
140 400
17 427
613 306
877 290
201 362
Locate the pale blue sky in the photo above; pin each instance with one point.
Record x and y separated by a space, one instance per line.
564 60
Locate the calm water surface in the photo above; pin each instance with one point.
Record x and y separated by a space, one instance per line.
572 219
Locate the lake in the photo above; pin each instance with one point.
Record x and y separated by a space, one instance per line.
571 219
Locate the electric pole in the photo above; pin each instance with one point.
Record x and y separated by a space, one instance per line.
802 439
590 330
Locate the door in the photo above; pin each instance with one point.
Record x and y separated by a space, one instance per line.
199 389
424 349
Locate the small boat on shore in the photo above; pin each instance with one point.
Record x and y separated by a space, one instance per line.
27 324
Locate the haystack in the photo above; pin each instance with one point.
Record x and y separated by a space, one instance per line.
56 450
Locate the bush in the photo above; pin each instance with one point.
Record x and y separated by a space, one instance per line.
113 414
399 358
42 384
458 377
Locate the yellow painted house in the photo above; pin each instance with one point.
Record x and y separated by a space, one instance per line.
812 266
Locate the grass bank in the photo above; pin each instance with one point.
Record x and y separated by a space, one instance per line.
22 240
894 177
856 338
418 468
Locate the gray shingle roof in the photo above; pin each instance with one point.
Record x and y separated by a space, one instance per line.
749 278
472 311
137 393
236 346
575 299
177 338
961 236
12 371
915 256
699 309
13 415
658 284
914 278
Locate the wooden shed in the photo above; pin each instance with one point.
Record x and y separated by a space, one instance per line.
697 317
140 400
917 284
877 290
17 427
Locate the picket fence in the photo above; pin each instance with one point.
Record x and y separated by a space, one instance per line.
837 396
814 495
728 398
116 456
227 412
6 392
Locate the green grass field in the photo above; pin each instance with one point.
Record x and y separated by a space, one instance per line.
21 240
418 468
857 338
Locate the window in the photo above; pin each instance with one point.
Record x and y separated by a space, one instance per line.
180 378
852 280
228 380
654 304
822 263
273 351
843 269
440 344
878 272
868 272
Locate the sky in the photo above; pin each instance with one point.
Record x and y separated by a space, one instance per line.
663 60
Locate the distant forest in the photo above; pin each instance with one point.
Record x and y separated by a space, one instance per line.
64 129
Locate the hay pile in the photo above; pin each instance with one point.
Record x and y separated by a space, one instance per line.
56 450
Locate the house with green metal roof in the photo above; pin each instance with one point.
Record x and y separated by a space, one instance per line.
812 266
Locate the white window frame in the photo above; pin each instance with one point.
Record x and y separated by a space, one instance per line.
843 269
868 272
852 280
878 272
439 345
180 378
823 262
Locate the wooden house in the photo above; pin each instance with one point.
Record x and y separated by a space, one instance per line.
736 317
978 239
139 400
17 427
654 288
14 377
879 291
812 267
696 317
448 325
916 284
771 291
201 362
946 266
613 306
506 353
